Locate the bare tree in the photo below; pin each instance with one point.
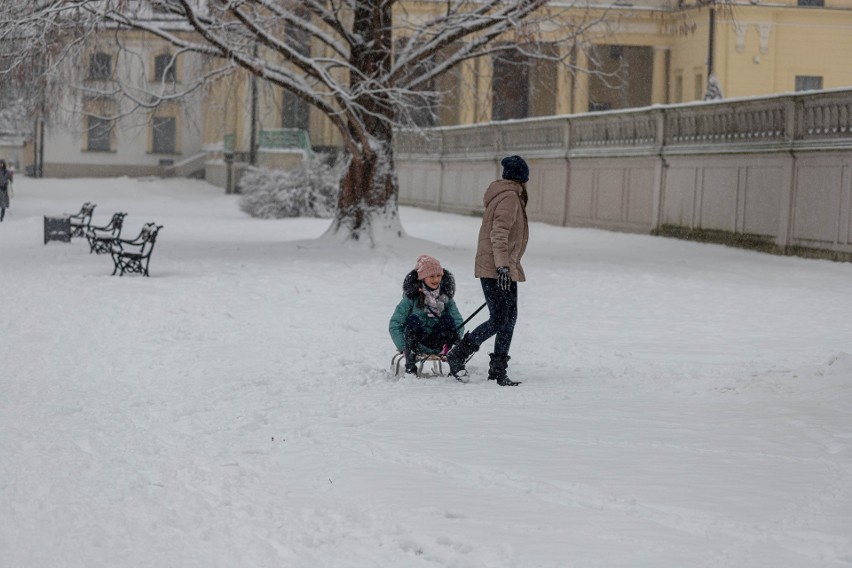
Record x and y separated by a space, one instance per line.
369 60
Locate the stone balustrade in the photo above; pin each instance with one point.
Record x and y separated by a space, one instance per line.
774 173
824 117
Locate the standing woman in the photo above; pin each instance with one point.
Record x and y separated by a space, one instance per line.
5 180
503 238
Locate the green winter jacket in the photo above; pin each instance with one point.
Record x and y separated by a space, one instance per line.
409 305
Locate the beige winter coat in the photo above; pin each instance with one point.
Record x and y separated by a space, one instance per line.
504 233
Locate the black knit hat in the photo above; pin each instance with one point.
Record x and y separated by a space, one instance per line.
515 168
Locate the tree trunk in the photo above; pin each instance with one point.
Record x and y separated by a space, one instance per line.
367 207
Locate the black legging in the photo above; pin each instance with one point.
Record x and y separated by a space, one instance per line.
502 315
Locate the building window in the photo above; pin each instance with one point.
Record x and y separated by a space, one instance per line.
698 91
295 112
164 135
620 76
297 37
420 107
164 68
678 89
510 86
100 66
808 83
817 3
99 134
423 108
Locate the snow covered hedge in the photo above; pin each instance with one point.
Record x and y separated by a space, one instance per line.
309 190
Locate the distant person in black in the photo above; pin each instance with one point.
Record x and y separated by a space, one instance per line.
6 177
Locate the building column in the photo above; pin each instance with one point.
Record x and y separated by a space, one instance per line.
660 85
564 84
580 85
466 99
484 92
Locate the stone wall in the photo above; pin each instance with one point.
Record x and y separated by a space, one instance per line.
773 173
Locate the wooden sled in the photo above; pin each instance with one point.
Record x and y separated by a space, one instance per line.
428 366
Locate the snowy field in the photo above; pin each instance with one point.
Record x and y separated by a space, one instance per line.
684 405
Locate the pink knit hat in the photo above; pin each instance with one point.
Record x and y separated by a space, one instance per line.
427 266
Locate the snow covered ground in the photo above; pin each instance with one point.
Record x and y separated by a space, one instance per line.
683 405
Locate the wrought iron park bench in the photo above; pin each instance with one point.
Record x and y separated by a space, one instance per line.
101 237
80 221
132 256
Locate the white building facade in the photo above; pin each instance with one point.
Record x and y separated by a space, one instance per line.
133 108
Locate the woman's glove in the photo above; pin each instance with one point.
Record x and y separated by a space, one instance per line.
504 281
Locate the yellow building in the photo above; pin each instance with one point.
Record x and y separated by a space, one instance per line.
657 52
763 47
648 52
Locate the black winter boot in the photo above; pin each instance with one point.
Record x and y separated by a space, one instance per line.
497 370
410 362
410 353
459 355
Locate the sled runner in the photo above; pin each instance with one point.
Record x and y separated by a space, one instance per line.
428 365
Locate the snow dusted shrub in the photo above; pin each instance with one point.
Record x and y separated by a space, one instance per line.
309 190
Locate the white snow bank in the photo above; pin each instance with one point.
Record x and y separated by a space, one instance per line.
683 404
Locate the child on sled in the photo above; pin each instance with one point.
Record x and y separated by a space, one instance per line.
426 321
